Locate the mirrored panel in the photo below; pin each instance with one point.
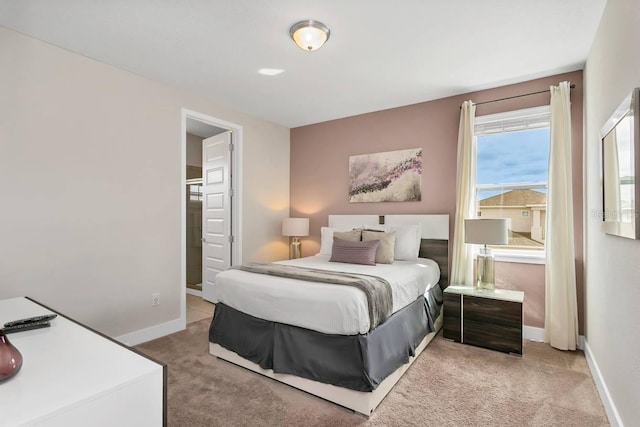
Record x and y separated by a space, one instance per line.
620 164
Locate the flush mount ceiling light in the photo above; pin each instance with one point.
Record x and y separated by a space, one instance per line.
309 35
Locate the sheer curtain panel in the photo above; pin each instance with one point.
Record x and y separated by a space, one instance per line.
462 263
561 312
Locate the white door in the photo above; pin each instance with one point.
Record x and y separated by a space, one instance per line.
216 210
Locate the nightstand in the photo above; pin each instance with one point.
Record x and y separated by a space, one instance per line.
484 318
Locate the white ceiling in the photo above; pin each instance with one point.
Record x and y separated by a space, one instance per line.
381 53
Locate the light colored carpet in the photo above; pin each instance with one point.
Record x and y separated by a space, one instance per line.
449 385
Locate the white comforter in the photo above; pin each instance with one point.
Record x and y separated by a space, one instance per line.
331 309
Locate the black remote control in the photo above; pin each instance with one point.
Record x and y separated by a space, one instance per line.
43 318
26 327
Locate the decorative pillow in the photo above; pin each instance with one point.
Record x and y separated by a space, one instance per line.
326 237
385 252
407 244
354 235
354 252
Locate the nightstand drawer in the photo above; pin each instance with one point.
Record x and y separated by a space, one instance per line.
452 314
492 311
452 305
495 337
484 318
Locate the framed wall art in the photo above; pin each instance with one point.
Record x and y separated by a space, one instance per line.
392 176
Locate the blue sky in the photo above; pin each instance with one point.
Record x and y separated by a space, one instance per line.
513 157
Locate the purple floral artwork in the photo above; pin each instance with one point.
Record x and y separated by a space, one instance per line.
393 176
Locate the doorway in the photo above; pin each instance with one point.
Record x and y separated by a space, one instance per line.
194 225
201 208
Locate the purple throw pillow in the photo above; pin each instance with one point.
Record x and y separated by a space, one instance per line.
354 252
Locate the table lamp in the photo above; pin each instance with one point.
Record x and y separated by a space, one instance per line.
486 232
295 228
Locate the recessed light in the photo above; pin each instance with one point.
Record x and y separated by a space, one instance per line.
270 71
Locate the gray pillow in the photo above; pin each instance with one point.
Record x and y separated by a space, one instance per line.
354 252
384 254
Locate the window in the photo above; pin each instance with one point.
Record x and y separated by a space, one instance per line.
512 159
195 192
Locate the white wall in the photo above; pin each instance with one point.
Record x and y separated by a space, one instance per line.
612 270
90 186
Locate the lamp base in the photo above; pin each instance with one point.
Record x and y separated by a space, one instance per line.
295 248
485 270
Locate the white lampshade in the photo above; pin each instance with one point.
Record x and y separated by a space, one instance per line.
296 227
309 35
486 231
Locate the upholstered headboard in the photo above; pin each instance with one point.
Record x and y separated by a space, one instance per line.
435 234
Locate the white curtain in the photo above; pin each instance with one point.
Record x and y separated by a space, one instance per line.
462 263
561 312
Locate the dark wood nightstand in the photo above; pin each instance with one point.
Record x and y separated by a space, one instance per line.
484 318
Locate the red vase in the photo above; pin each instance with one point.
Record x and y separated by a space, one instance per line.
10 358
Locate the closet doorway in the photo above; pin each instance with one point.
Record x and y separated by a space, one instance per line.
194 229
211 200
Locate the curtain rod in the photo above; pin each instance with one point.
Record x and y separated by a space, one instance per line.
572 86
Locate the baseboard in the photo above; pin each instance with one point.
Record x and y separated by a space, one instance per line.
532 333
151 333
603 390
194 292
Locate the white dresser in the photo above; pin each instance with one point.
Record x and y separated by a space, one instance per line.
73 376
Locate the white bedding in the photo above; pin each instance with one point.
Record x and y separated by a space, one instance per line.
331 309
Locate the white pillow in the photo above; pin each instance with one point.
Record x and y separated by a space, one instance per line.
408 238
326 238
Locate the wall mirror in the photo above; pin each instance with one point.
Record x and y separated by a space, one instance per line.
620 138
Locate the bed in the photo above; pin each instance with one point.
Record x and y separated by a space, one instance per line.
323 338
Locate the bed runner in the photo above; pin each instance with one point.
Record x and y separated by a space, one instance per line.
376 289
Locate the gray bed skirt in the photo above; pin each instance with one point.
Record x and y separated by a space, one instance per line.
358 362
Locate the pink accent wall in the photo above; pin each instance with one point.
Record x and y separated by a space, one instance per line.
320 166
530 279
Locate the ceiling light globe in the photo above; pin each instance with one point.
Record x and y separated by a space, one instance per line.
309 35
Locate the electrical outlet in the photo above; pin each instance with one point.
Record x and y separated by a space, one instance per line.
155 299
